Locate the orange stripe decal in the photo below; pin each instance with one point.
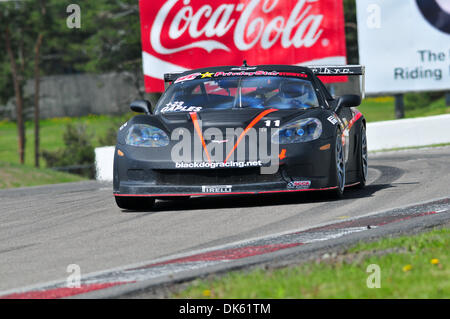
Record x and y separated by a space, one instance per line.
252 123
354 119
199 132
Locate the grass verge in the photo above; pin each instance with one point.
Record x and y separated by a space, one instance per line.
15 175
382 109
409 148
51 134
411 267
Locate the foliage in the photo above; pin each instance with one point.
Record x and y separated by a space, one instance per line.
24 20
414 101
110 136
351 32
52 131
108 40
15 175
117 44
382 108
78 151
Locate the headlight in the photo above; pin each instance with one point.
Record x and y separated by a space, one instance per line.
146 136
303 130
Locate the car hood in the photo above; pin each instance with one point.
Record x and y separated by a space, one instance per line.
219 119
233 118
222 120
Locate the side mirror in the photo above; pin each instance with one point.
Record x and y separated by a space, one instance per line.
141 106
348 100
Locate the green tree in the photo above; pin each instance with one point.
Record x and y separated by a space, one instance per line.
116 45
351 31
15 24
24 25
78 151
36 40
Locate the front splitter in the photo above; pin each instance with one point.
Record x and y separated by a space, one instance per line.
244 189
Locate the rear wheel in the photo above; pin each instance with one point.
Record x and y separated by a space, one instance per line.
134 203
363 159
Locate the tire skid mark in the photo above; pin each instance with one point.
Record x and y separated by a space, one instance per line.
385 175
388 174
43 225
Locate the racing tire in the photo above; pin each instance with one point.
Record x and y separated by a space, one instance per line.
362 159
339 167
135 203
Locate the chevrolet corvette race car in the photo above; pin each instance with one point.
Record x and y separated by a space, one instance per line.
241 130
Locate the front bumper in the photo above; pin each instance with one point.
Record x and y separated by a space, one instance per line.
305 167
137 190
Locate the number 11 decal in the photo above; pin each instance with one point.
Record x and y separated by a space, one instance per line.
276 123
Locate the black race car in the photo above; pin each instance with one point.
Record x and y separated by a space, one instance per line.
241 130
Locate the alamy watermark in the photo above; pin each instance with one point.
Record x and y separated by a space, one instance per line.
232 147
374 16
374 279
74 279
74 19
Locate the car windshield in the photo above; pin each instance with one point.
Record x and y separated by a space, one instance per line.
238 92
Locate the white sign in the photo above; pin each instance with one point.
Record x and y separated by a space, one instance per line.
405 45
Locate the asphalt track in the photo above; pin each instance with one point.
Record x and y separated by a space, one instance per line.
45 229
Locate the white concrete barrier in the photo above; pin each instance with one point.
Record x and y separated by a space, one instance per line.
420 131
104 159
380 136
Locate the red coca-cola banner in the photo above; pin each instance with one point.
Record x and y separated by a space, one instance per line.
179 35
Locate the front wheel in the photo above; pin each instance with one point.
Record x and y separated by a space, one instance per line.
339 167
363 159
134 203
